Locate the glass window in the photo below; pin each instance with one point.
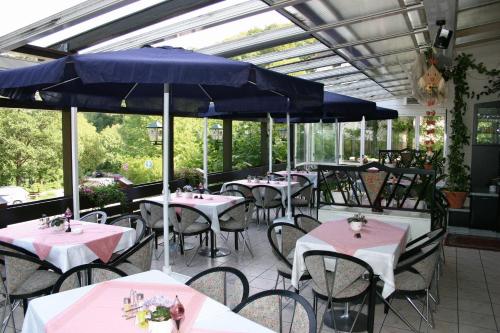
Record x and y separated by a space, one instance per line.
279 143
300 144
351 134
375 138
487 123
31 159
323 141
246 144
403 133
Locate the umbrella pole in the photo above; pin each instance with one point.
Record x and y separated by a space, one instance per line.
166 193
337 139
270 141
288 164
74 163
205 153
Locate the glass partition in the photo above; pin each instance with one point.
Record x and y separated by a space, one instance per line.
323 142
375 138
403 133
351 135
246 144
300 143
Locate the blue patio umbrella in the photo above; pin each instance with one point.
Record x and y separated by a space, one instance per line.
168 81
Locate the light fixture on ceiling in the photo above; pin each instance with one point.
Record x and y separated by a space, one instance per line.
443 36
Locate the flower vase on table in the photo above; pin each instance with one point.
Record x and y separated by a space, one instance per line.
57 224
67 215
356 223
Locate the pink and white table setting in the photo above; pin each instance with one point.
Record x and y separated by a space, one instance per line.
86 243
312 176
211 205
380 245
98 308
280 185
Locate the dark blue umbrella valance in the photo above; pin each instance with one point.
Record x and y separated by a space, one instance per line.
135 78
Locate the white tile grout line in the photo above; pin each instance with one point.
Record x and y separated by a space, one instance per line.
488 290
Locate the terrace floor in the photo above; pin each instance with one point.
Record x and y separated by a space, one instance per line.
469 286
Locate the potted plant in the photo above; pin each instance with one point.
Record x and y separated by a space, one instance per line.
458 180
99 196
57 223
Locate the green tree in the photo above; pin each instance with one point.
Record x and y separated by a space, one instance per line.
31 146
102 120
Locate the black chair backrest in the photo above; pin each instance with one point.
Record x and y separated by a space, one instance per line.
233 193
417 244
191 210
215 290
263 301
84 275
133 249
306 222
131 221
282 237
246 190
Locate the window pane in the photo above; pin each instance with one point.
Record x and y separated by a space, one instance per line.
300 143
375 138
323 141
279 143
31 155
403 133
351 134
246 144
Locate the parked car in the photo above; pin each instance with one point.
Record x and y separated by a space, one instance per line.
13 194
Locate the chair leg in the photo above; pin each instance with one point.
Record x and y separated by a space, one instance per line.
246 241
25 305
397 313
212 244
277 280
236 241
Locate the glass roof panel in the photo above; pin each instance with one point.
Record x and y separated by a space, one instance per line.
30 11
95 22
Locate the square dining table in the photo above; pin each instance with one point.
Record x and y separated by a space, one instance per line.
380 246
280 185
97 308
66 250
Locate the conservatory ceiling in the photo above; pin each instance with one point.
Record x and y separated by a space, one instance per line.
361 48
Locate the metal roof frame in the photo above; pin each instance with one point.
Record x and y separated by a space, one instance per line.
64 19
287 35
214 18
140 19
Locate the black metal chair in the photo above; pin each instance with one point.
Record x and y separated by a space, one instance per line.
232 193
340 278
131 221
267 308
16 249
189 221
152 214
26 277
282 238
413 277
85 275
303 198
246 190
136 259
236 219
267 198
226 285
95 217
306 222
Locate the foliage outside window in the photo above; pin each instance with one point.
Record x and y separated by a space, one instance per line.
403 133
324 137
246 144
351 135
375 138
31 151
279 143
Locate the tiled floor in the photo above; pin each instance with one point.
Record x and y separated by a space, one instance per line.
469 286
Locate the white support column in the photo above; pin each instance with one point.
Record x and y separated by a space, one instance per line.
205 152
288 169
166 193
270 142
389 134
417 132
74 163
337 141
362 139
341 141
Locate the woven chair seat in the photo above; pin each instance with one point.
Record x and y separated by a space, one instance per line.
37 281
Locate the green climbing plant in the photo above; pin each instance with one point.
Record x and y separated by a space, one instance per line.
458 172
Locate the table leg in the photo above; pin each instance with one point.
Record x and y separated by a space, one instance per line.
214 251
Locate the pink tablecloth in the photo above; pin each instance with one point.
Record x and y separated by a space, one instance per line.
100 309
375 233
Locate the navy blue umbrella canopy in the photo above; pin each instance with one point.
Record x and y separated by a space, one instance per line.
135 78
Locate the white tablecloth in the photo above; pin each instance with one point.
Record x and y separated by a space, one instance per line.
312 176
382 258
213 315
212 208
281 186
67 256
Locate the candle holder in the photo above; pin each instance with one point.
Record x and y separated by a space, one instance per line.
67 215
